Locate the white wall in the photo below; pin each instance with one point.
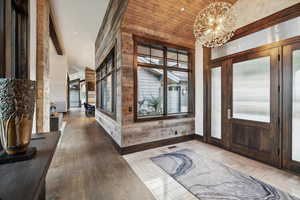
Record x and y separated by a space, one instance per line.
58 79
247 12
251 11
32 46
199 90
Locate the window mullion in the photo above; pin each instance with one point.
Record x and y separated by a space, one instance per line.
165 104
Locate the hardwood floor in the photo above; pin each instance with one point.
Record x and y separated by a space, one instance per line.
86 166
165 187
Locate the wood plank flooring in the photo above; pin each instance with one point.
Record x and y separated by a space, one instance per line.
165 187
87 167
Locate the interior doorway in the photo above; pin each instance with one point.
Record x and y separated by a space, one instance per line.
74 94
244 106
253 104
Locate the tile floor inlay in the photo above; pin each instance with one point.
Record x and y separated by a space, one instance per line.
208 179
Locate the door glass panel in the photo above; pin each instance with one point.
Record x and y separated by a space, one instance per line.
296 107
251 90
216 103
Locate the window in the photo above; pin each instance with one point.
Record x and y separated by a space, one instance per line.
251 89
163 80
14 30
106 84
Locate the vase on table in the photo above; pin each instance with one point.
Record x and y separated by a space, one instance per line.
17 101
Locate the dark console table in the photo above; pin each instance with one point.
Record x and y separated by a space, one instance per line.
56 122
26 180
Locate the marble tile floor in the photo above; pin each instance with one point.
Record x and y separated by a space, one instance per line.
164 187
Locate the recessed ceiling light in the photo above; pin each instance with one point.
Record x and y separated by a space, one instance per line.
182 9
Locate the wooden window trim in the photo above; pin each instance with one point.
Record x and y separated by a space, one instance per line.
191 79
2 39
18 46
20 68
113 73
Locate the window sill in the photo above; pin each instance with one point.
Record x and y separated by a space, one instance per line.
169 117
110 115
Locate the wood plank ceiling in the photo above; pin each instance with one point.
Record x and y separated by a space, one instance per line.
166 16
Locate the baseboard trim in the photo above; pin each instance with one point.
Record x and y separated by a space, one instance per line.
199 137
156 144
150 145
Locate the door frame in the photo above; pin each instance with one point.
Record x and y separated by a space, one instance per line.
287 108
274 157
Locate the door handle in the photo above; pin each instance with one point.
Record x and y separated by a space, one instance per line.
228 113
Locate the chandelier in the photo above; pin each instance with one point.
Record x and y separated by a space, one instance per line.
215 24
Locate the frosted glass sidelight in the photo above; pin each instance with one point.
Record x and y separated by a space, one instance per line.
296 107
216 103
251 90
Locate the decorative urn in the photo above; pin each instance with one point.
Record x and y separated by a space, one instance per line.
17 101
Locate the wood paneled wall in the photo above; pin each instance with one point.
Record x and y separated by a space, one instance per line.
90 84
109 36
160 20
164 19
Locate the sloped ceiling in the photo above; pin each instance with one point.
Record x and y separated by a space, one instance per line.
172 17
78 23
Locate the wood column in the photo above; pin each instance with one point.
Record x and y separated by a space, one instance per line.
42 68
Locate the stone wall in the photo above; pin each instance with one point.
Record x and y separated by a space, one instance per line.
42 67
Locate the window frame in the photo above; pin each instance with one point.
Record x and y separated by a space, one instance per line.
14 39
191 79
99 78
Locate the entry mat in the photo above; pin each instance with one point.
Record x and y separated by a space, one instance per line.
211 180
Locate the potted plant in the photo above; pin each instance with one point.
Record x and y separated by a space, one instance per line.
17 101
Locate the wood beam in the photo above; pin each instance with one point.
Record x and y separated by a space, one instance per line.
54 35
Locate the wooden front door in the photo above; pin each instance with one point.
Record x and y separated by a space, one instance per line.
291 107
252 111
